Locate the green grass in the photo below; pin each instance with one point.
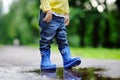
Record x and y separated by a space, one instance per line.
101 53
1 45
96 53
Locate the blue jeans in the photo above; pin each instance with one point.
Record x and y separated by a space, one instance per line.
54 29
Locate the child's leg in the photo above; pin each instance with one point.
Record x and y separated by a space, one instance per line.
61 37
47 34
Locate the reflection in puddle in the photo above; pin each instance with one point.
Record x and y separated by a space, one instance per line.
74 74
71 75
48 75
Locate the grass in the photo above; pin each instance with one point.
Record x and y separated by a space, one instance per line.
1 45
101 53
96 53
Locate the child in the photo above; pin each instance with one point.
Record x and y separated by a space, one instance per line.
54 17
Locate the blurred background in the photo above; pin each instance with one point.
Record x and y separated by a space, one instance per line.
93 23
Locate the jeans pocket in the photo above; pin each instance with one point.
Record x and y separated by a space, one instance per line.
41 22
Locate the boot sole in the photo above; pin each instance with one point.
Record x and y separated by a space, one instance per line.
48 69
43 68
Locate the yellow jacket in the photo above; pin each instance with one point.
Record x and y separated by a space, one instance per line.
58 6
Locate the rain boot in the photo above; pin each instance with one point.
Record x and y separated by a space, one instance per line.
68 60
46 64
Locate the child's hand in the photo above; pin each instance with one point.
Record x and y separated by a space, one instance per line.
48 16
66 19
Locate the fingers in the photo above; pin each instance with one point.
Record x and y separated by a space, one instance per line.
48 16
67 20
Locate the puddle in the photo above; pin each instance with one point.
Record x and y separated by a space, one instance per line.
73 74
32 73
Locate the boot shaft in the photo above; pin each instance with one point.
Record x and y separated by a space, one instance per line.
66 54
45 56
46 64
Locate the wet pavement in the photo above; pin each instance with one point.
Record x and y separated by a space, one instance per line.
22 63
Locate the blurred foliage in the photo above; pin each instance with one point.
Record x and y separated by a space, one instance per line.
0 8
95 25
20 23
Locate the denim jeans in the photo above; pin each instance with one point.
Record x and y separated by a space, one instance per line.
54 29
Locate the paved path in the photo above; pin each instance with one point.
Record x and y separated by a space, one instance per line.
12 56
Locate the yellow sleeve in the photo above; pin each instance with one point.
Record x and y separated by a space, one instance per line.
67 7
45 5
